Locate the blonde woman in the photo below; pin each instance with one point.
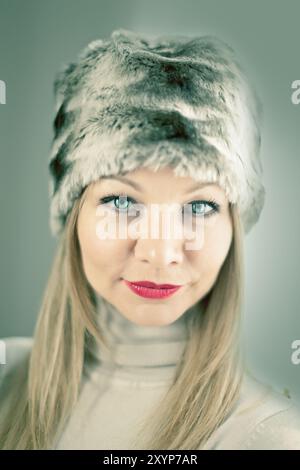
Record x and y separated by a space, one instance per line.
137 343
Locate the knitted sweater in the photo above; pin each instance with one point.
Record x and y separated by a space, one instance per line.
120 388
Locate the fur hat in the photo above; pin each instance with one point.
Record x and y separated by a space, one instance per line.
131 101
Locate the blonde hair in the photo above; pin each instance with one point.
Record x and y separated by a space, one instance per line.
45 387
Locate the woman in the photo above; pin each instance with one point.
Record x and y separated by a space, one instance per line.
120 359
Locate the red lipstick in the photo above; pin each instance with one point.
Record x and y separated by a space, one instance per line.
151 290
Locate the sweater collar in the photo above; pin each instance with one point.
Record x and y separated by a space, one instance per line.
134 346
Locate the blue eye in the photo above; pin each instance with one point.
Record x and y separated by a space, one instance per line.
120 201
121 204
198 207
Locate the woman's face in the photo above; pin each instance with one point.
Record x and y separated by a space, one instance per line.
164 257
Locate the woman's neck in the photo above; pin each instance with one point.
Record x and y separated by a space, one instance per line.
147 351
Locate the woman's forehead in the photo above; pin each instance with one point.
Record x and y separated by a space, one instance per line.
145 180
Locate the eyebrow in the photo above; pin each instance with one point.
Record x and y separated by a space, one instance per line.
139 188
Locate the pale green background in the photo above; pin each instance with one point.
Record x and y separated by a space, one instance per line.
38 37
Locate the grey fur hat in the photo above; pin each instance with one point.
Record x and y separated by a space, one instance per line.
134 100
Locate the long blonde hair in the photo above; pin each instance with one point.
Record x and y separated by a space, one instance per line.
45 386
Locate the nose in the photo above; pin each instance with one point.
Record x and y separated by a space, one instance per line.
159 252
166 247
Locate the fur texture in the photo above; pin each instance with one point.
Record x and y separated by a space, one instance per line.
132 101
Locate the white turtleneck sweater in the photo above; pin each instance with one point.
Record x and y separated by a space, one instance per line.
119 390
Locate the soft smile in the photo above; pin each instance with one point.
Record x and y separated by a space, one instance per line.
143 289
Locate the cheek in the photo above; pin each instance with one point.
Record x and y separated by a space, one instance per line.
98 254
216 244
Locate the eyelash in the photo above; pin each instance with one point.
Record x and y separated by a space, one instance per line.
215 206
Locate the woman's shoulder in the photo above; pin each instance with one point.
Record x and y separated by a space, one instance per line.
263 418
14 349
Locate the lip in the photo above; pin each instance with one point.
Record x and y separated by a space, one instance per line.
157 291
154 285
